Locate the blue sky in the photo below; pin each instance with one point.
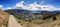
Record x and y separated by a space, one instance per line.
11 3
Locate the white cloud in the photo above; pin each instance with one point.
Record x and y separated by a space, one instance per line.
27 7
20 4
1 6
35 6
9 8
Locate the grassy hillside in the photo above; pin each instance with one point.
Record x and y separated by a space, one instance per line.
36 19
3 18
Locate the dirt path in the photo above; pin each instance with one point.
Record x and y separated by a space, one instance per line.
13 22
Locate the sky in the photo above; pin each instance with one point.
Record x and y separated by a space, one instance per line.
27 4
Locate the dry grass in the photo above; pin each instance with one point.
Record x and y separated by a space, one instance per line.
4 19
33 23
40 23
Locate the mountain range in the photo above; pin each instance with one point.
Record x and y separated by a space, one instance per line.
29 11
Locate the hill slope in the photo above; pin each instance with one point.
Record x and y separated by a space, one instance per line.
3 18
34 19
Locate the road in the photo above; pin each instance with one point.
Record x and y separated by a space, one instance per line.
13 23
